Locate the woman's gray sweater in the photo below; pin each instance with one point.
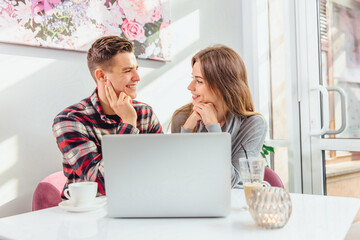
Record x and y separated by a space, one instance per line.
250 132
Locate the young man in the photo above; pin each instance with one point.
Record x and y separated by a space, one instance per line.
109 110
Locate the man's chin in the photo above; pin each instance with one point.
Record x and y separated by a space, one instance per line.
133 96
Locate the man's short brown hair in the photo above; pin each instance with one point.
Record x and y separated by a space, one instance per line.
102 51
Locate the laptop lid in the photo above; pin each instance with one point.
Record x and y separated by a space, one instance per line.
171 175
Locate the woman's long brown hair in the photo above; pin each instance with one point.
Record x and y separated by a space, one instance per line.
225 72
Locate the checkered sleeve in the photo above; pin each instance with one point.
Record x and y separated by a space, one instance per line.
81 155
125 128
154 125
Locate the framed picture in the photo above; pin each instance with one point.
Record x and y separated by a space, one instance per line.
76 24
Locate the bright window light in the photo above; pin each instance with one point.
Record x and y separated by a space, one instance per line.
9 191
8 153
185 32
170 87
10 68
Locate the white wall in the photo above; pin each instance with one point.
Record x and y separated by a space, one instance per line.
37 83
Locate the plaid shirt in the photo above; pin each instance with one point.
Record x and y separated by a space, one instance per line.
79 129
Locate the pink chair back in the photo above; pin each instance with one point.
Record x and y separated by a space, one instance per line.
271 177
48 191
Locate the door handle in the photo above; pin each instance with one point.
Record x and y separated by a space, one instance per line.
343 110
325 117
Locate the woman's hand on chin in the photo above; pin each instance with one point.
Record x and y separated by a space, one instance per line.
207 113
192 121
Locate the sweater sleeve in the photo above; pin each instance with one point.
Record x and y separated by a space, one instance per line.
250 136
213 128
177 123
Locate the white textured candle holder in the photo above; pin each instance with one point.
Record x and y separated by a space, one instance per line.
270 207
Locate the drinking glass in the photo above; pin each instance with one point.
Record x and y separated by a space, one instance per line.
252 174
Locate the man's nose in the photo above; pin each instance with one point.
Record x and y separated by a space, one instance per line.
136 76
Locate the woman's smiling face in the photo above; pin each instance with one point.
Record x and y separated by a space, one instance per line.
200 89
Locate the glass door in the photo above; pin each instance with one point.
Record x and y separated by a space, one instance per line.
328 56
340 57
305 56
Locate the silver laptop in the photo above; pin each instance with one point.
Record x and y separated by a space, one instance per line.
171 175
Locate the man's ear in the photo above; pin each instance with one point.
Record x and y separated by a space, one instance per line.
100 75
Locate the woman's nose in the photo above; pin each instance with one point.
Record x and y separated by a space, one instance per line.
191 86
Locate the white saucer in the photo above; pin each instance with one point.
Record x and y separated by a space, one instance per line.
68 205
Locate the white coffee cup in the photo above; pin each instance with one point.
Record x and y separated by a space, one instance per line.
81 193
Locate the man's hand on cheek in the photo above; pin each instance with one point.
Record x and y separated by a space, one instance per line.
121 105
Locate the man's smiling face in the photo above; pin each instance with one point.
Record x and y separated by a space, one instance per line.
123 74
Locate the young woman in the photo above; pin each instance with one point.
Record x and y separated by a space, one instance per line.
222 103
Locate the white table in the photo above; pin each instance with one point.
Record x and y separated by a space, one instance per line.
313 217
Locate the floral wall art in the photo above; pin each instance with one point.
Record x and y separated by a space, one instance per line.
75 24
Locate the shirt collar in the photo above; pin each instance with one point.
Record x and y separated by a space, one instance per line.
97 106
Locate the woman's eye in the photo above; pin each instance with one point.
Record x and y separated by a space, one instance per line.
198 81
